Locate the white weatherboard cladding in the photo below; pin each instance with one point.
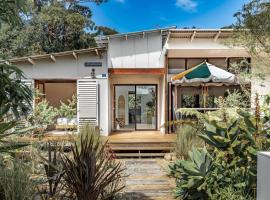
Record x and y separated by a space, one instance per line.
65 67
87 102
135 51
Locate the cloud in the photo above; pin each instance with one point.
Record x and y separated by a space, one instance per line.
120 1
189 5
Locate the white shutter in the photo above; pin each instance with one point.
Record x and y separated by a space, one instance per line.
87 102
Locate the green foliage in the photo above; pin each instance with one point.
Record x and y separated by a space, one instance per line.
192 175
253 24
16 183
89 172
7 129
235 99
51 26
68 110
15 97
54 173
231 193
10 11
187 137
43 115
232 142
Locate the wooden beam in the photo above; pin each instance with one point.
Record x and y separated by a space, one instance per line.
217 35
75 56
193 36
132 71
30 60
52 58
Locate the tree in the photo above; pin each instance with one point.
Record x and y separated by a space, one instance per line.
253 28
10 11
51 26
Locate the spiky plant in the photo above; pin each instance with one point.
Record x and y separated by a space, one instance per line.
88 171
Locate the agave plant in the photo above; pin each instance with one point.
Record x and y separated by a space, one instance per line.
7 129
89 172
54 173
191 175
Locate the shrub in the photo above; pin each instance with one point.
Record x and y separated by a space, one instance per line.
89 172
187 137
43 115
69 109
15 183
233 146
231 193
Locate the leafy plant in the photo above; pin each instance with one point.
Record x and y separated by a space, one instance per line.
43 115
15 97
68 110
7 129
191 175
54 173
231 193
89 172
187 137
16 183
232 142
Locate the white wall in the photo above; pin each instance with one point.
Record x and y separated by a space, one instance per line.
65 67
135 51
104 112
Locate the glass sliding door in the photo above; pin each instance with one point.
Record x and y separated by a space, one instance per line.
146 107
135 107
125 107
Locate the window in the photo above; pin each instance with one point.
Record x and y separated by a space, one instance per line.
176 63
219 62
192 62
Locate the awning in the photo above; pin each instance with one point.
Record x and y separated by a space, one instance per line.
204 73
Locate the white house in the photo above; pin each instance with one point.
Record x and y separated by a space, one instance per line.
124 83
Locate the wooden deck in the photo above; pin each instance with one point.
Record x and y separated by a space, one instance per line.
141 144
140 136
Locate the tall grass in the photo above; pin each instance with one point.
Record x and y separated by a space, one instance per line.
15 183
187 137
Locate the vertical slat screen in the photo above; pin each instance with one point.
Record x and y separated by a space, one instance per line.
87 105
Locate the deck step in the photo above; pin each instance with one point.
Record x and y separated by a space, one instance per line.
136 148
139 155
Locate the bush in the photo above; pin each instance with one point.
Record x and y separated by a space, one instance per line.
68 110
16 183
43 115
187 137
89 172
231 193
232 147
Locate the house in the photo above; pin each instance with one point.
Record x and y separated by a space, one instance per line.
125 82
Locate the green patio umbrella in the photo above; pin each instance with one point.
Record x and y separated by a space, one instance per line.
203 73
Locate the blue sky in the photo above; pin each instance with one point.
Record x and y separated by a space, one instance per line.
136 15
